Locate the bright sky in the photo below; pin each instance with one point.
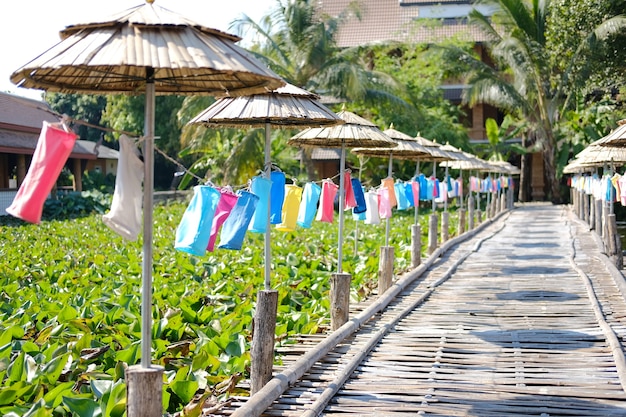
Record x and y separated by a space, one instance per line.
30 27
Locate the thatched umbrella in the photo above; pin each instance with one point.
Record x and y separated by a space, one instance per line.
407 148
355 132
287 107
146 50
617 137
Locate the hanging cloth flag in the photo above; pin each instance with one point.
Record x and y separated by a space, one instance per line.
194 230
417 189
260 187
400 194
408 193
124 217
277 196
443 192
359 197
227 201
371 214
384 203
235 227
308 204
423 187
388 183
53 148
291 205
326 209
350 200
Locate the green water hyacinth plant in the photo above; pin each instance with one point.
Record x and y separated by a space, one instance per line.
70 307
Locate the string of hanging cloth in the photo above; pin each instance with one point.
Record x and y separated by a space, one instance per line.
230 211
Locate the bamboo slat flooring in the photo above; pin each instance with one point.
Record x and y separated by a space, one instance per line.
525 319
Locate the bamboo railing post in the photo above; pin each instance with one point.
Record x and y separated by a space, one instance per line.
416 245
445 226
598 218
385 269
144 391
262 350
614 243
432 233
470 207
462 215
339 299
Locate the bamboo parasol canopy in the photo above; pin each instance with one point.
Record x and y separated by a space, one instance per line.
112 55
617 138
355 132
407 147
436 153
506 167
596 155
285 107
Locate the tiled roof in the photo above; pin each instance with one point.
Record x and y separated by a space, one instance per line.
392 20
21 120
322 154
23 112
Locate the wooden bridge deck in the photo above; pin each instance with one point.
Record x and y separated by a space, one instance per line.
527 318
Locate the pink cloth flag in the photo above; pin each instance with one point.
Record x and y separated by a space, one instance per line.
53 148
326 208
350 201
224 207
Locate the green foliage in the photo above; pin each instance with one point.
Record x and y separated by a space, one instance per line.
70 306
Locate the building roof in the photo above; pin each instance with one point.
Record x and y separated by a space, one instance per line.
23 113
397 21
21 120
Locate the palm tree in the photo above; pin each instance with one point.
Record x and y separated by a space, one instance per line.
523 82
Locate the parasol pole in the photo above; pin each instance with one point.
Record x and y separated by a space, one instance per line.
267 241
434 182
388 220
144 382
356 223
445 198
264 323
416 198
342 164
148 184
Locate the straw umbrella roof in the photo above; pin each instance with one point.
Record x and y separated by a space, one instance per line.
355 132
596 155
617 137
112 55
436 153
284 107
407 147
469 162
506 167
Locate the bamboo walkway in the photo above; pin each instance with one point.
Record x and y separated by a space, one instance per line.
527 318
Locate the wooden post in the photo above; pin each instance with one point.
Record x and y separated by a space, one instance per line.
598 218
432 233
416 245
605 216
445 226
144 391
592 212
461 221
586 208
385 269
264 329
502 203
470 205
479 217
339 299
614 244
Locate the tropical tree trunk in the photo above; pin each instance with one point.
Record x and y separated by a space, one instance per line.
522 195
552 184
